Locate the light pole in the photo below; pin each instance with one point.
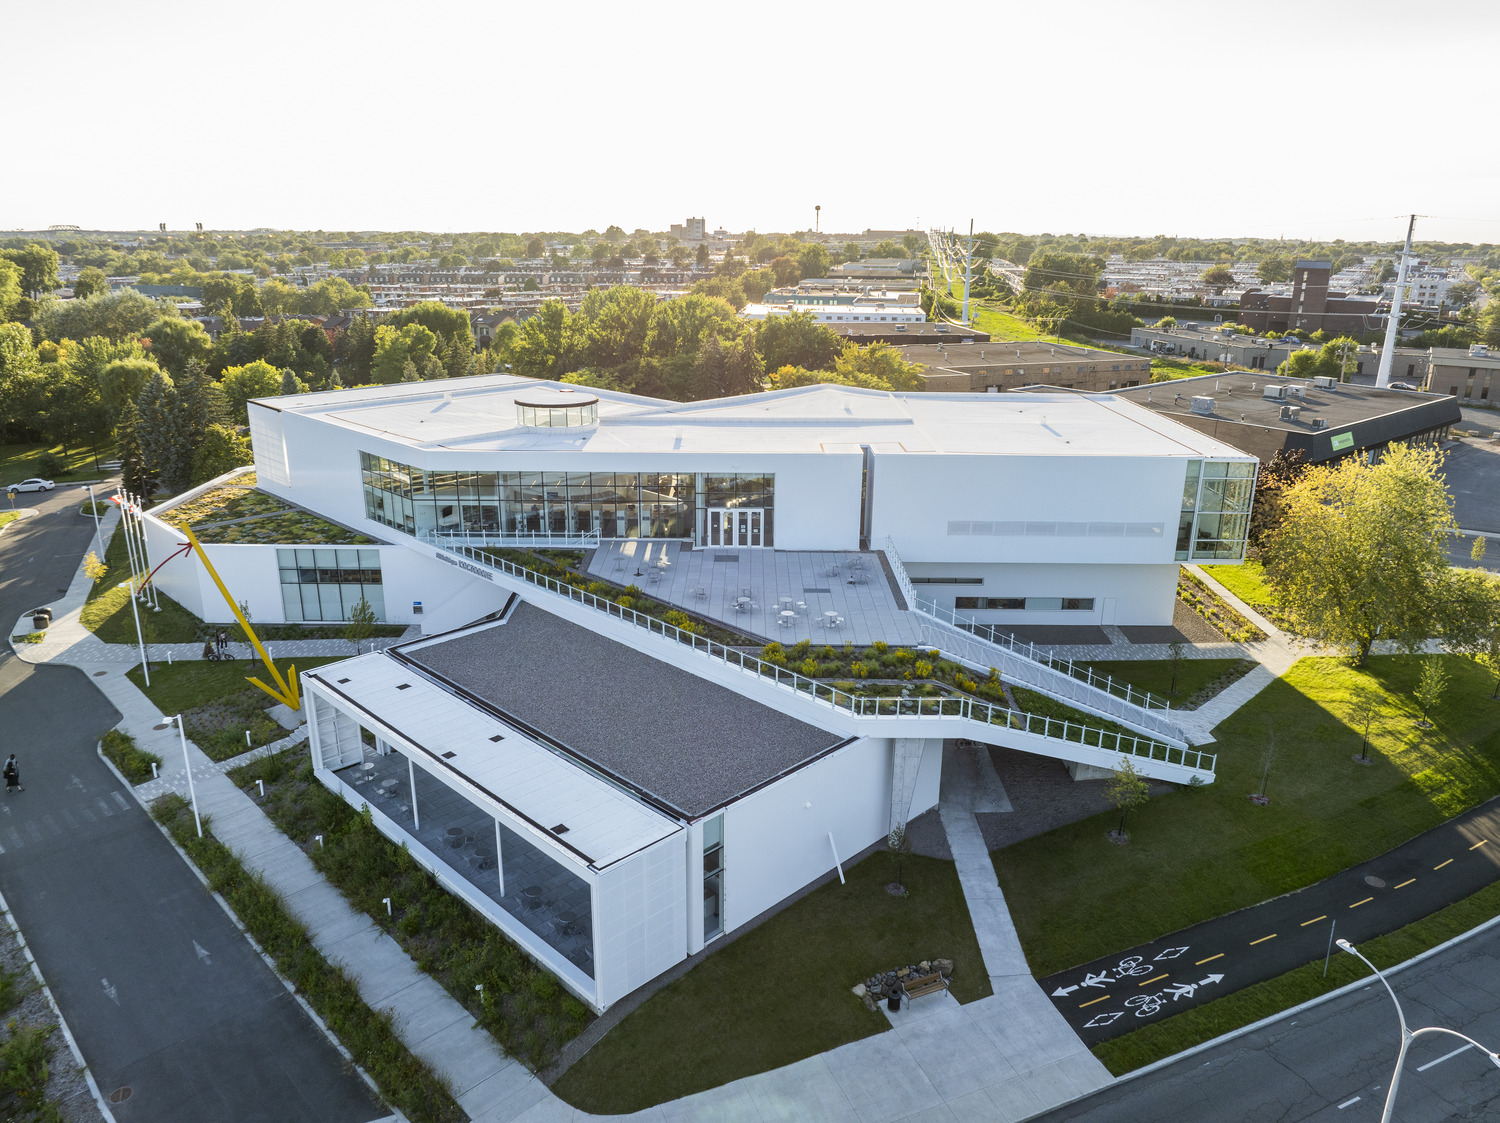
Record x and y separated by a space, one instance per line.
1409 1035
94 510
188 764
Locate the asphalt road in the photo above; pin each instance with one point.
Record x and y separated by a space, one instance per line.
1333 1062
163 993
1115 995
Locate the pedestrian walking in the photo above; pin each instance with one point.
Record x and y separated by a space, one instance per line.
12 776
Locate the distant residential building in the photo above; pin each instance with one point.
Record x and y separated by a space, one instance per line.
691 230
1254 352
835 314
1310 306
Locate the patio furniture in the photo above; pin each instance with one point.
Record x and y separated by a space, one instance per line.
455 837
531 897
831 619
654 577
801 608
746 594
786 618
700 593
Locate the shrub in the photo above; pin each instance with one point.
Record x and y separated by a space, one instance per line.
774 653
922 669
902 656
828 653
800 649
880 647
50 464
133 762
859 669
809 667
684 622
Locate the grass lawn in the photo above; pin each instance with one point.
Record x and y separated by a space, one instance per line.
107 611
1180 368
7 517
1203 1023
185 686
1155 675
1198 853
1246 581
782 992
18 462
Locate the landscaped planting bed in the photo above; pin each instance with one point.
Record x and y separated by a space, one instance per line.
1198 680
216 518
522 1004
1215 609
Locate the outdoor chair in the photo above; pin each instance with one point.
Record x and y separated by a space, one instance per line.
700 593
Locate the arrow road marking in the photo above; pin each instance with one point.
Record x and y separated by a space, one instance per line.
1210 979
1063 992
202 954
1102 1019
1093 980
77 783
110 992
1170 953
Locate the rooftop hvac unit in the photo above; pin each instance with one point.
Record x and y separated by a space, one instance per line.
1274 393
1320 423
1290 413
1203 404
1324 382
1479 350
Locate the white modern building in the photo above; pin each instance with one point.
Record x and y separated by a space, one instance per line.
613 792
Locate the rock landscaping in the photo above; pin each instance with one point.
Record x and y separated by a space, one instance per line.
879 987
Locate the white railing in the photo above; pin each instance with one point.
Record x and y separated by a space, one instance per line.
1027 665
587 540
948 706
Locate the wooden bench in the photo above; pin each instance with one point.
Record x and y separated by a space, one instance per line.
917 986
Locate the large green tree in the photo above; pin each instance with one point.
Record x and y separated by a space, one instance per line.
548 344
1360 554
395 348
114 315
176 343
797 340
38 265
253 380
90 282
121 380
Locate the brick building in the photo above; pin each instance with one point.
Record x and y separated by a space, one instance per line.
1311 306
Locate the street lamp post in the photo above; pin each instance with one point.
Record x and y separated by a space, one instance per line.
94 510
1409 1035
188 764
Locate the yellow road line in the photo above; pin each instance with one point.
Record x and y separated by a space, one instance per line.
1366 901
1478 844
1091 1001
1210 959
1405 883
1262 940
1440 865
1152 979
1314 920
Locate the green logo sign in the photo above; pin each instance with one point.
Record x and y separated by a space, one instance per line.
1342 441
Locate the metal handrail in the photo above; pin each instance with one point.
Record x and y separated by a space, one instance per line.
949 706
588 539
1028 665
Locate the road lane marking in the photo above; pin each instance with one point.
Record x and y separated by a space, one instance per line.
1210 959
1405 883
1478 844
1349 1103
1314 920
1366 901
1091 1001
1445 1057
1440 865
1263 939
1151 980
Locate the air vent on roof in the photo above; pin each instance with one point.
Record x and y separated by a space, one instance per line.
1320 423
449 755
1202 404
1274 393
561 828
497 737
342 681
404 686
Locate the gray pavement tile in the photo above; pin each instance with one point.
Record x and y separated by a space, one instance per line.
880 1079
422 1011
954 1053
509 1093
804 1090
1013 1100
939 1113
553 1110
326 914
976 1107
465 1056
1086 1071
731 1103
1050 1085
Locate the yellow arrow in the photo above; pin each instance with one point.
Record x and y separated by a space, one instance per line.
286 691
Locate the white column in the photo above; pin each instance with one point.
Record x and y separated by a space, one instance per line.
411 775
499 858
906 761
693 841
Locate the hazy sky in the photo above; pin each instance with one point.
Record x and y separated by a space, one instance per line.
1314 118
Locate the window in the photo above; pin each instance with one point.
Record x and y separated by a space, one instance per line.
1025 604
713 877
326 584
947 580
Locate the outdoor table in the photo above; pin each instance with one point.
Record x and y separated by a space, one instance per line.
455 837
788 618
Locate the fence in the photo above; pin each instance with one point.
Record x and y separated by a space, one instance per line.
586 541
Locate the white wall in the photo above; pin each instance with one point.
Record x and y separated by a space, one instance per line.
640 925
917 496
776 840
929 779
1141 594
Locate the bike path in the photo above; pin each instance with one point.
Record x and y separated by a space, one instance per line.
1118 993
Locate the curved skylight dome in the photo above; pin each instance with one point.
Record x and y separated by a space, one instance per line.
556 409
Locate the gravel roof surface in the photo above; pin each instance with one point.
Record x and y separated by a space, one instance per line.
686 741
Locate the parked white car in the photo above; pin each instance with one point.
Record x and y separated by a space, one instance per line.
31 485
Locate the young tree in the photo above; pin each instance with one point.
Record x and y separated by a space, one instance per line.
1432 684
1177 649
1476 554
1360 554
361 623
176 342
93 568
898 842
1366 705
1128 789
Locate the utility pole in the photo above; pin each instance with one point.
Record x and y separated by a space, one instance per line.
968 271
817 218
1393 324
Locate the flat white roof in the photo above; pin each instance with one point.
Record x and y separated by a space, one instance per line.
479 414
604 823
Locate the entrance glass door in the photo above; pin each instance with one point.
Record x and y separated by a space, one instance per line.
740 526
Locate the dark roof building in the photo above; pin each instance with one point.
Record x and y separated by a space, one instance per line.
1264 414
1311 306
993 367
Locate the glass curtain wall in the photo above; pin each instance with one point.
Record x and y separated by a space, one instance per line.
327 584
1215 519
613 505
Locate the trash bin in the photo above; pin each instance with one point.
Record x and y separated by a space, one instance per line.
47 612
894 1001
40 620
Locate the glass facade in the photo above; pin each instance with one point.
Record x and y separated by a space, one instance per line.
612 505
1215 519
557 417
713 877
326 584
